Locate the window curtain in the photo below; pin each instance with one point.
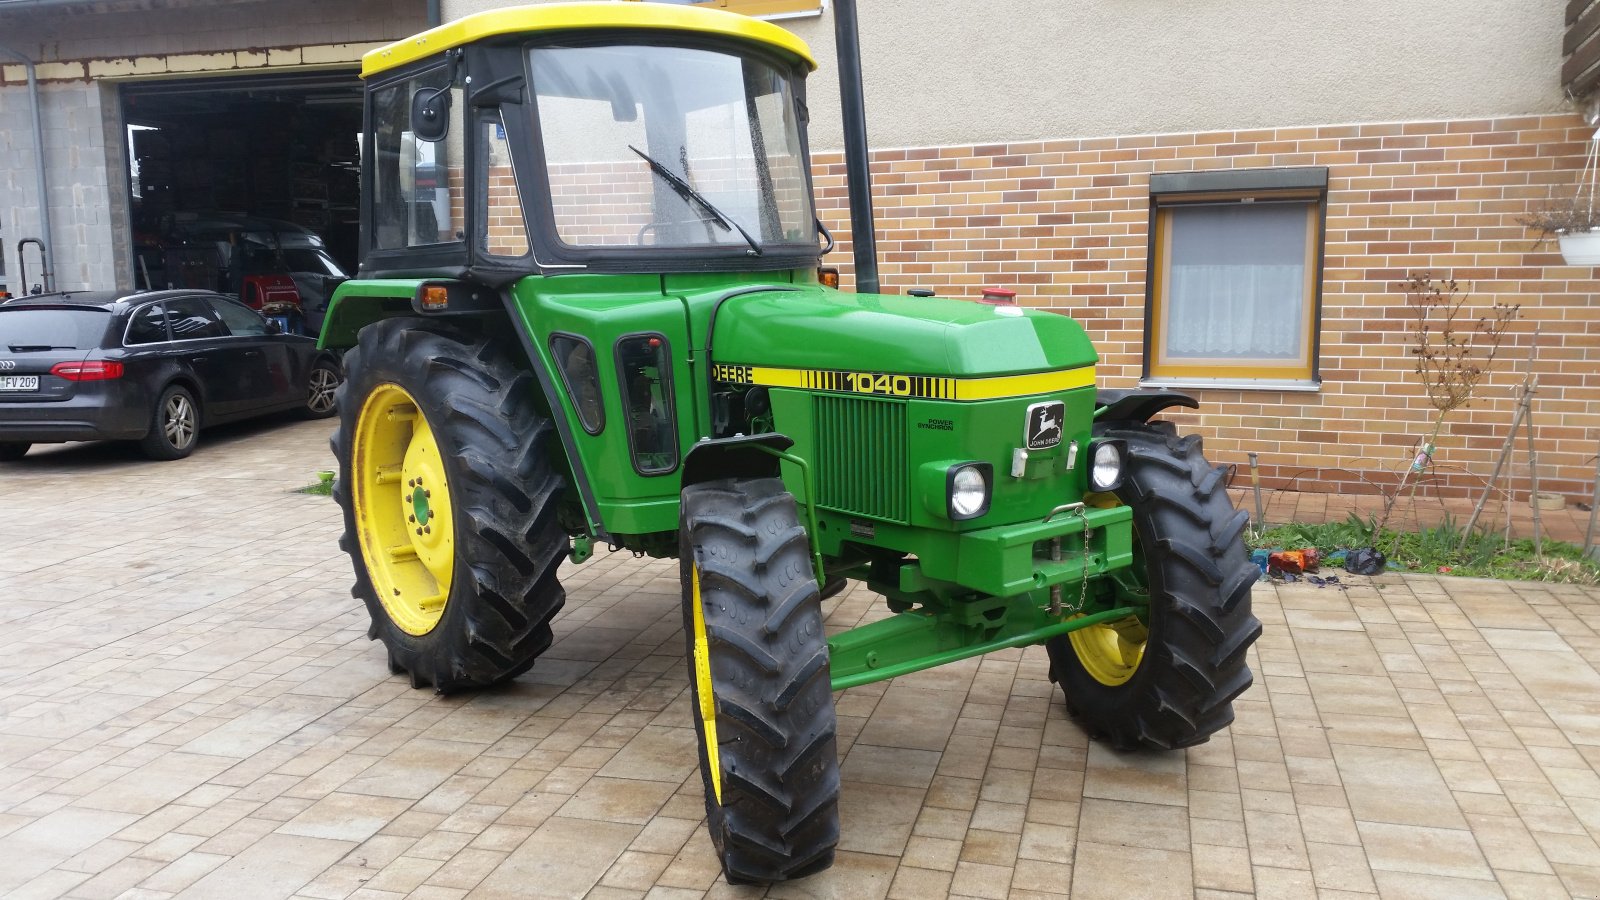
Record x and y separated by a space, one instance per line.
1236 281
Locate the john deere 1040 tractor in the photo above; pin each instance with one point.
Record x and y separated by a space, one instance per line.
590 311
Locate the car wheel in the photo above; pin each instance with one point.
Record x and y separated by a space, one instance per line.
321 387
11 452
174 425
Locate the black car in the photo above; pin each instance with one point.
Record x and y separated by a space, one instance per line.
150 367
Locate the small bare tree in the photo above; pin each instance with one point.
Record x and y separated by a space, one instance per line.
1453 357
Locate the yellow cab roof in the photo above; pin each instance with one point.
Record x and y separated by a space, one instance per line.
581 16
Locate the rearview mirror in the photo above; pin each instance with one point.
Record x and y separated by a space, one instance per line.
430 114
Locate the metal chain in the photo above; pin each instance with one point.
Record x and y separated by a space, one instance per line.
1083 583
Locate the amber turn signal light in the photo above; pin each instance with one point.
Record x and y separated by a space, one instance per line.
828 277
435 297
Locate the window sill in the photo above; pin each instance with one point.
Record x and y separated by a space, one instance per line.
1234 384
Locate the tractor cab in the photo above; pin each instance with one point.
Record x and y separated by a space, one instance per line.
589 138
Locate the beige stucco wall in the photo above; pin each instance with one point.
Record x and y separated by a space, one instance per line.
944 72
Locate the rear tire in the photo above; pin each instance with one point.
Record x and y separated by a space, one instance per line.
767 732
11 451
174 425
1180 689
493 492
322 386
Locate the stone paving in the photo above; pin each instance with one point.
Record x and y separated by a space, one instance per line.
189 707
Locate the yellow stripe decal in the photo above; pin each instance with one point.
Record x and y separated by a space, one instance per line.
926 387
576 16
703 688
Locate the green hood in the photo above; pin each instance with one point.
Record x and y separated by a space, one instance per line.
826 329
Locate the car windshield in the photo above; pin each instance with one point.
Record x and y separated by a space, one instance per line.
304 259
651 146
25 329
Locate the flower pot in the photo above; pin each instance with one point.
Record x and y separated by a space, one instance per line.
1581 248
1549 502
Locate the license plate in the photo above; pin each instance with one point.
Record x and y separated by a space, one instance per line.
19 382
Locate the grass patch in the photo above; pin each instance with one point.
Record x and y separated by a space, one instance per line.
322 488
1439 550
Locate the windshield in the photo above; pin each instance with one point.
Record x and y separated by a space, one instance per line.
671 147
23 329
309 260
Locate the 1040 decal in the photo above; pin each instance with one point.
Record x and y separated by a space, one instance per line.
881 384
889 384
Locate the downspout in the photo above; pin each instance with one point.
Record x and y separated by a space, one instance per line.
433 13
857 174
49 276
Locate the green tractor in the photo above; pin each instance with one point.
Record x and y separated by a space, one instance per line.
591 311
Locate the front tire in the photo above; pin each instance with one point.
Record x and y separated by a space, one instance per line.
1168 679
449 503
174 425
758 676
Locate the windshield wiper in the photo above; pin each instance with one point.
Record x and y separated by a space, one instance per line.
682 189
30 348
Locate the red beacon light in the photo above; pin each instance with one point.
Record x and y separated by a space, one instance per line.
998 296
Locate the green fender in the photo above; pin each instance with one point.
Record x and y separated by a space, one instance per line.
358 303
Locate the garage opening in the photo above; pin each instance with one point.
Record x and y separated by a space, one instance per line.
248 185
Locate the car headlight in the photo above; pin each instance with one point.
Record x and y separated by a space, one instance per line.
1105 465
968 488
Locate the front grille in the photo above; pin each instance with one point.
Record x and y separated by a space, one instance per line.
861 457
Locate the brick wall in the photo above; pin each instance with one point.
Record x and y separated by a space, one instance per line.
1065 223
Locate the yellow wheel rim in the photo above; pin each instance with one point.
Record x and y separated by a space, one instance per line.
707 709
401 500
1111 651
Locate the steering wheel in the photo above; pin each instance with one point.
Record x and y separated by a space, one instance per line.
648 226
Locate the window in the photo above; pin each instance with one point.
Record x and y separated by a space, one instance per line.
1235 277
575 358
645 372
241 321
672 147
190 319
416 191
502 230
74 329
147 326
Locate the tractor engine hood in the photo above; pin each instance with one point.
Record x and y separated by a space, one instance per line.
818 329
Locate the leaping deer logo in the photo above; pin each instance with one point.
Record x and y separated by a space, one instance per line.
1045 424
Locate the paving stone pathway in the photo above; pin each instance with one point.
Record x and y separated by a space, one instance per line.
189 707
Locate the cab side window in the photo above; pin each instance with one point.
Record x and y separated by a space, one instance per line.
148 325
241 322
191 319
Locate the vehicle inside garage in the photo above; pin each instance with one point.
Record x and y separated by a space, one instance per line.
247 185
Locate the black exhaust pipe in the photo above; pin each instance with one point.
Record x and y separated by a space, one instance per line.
863 239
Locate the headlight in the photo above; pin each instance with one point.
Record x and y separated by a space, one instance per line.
1105 465
967 486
